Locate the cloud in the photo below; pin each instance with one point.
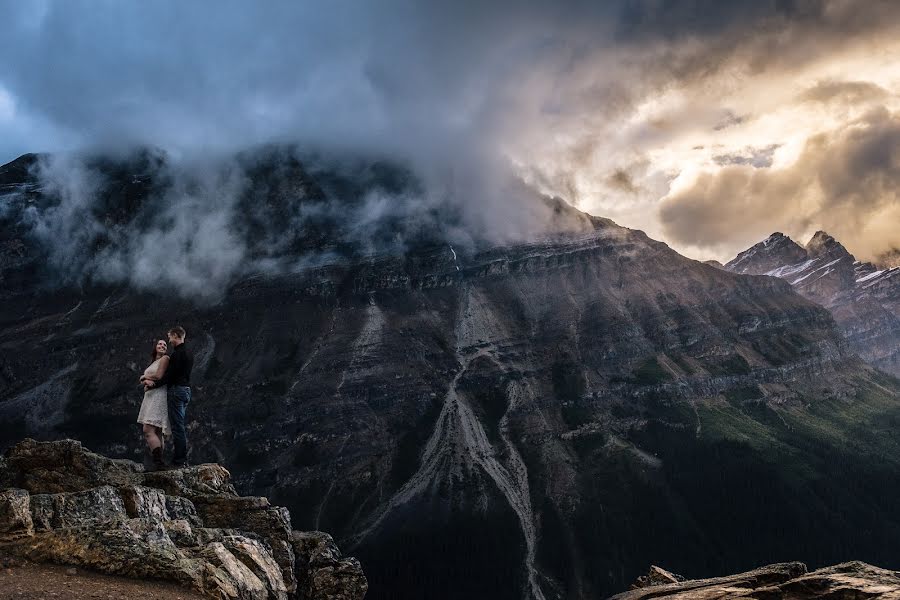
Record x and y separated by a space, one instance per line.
621 180
845 92
845 181
193 226
469 95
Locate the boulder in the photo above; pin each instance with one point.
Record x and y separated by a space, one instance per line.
15 514
656 576
191 482
63 466
323 572
71 506
72 509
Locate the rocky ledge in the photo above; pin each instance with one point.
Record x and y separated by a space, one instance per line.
784 581
61 503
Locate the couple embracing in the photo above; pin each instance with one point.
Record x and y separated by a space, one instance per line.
167 392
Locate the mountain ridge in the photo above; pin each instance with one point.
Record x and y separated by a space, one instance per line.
864 299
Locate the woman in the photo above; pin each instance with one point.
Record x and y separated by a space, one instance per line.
154 414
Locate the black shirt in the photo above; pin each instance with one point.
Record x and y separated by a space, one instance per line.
181 361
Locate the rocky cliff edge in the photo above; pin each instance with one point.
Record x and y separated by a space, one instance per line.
61 503
783 581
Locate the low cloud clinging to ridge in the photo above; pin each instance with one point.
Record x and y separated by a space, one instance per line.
708 124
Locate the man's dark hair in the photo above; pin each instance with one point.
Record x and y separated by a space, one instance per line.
178 330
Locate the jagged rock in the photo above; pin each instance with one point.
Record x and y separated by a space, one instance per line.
79 508
5 474
15 513
259 560
773 252
326 573
231 576
784 581
73 509
656 576
255 514
64 466
144 503
192 482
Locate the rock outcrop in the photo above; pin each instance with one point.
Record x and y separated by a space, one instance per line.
784 581
61 503
864 298
656 576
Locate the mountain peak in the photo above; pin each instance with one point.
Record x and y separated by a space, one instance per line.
822 244
775 250
822 237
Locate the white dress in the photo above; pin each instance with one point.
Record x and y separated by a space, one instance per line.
155 407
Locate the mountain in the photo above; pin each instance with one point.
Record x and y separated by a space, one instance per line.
864 298
535 418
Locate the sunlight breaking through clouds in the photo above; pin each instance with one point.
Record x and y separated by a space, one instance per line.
634 110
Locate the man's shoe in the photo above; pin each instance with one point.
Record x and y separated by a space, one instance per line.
158 463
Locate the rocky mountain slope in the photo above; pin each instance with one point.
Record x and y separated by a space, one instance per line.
786 581
864 298
522 420
63 504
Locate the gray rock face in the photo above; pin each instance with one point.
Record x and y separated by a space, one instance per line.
324 573
864 298
775 251
234 547
786 581
529 420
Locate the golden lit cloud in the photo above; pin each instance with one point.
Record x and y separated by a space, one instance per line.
788 129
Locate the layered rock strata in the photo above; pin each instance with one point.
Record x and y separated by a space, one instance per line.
61 503
784 581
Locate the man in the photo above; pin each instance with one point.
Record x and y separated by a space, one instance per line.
178 378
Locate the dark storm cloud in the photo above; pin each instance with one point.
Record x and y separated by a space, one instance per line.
227 74
394 75
468 94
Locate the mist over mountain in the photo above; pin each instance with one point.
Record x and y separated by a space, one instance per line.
193 227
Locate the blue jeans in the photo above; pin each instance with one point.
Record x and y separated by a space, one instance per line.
179 396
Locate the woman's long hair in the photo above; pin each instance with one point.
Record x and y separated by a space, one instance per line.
153 356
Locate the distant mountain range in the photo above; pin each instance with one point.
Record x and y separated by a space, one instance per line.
863 297
539 419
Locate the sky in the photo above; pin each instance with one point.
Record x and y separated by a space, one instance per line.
708 124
